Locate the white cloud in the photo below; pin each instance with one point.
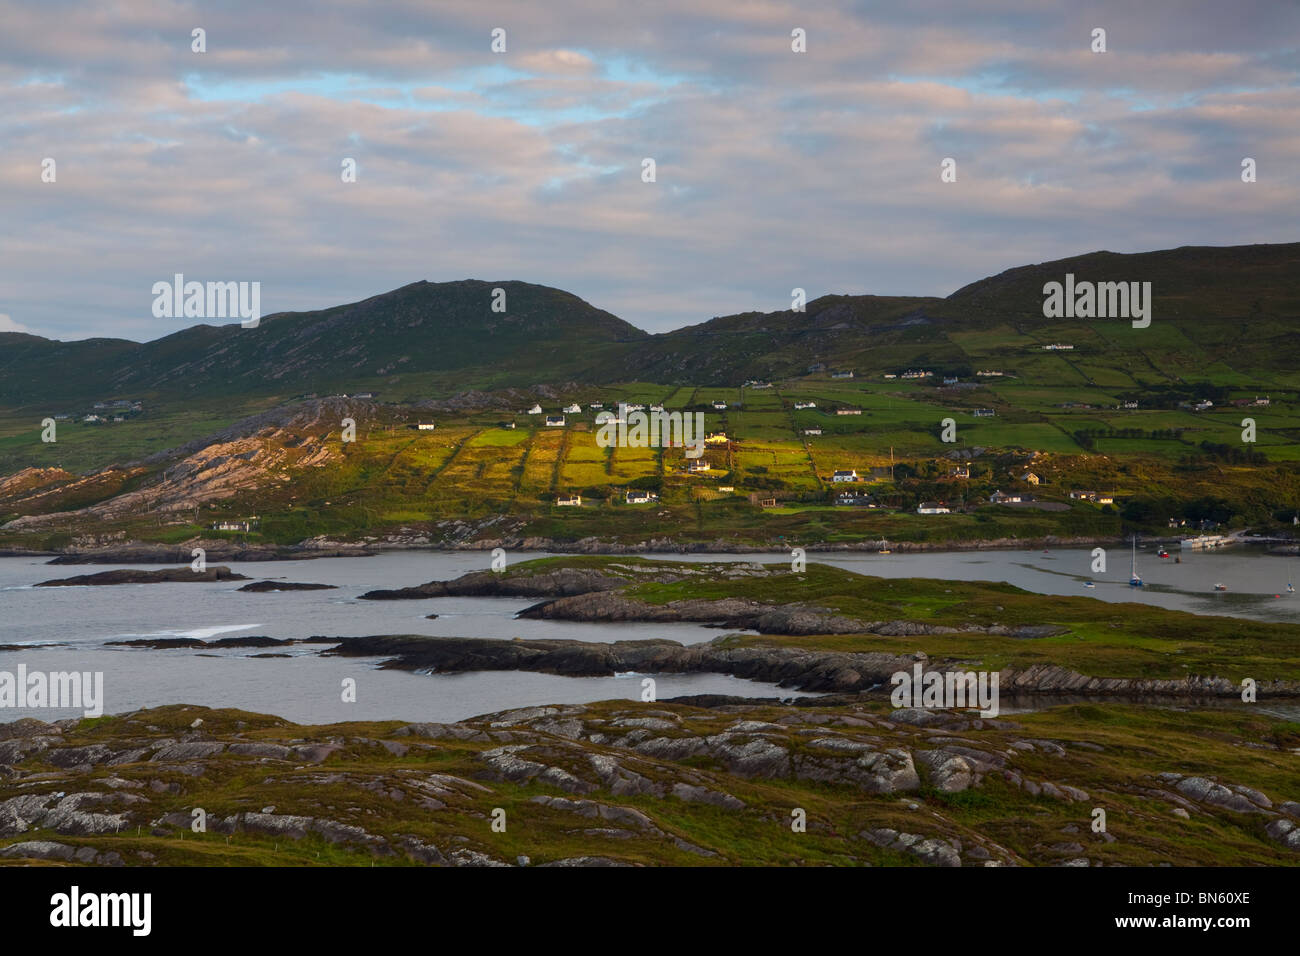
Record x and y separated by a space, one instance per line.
9 325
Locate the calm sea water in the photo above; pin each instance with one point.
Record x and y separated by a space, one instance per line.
307 688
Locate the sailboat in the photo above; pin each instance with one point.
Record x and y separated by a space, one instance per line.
1134 581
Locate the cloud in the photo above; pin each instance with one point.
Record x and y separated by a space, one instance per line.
774 169
9 325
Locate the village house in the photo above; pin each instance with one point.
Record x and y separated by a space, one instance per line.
842 373
854 499
574 409
983 413
1030 477
569 501
767 502
554 421
535 410
890 375
812 431
656 408
961 471
849 475
950 380
716 438
425 426
720 406
848 411
640 497
366 395
989 373
697 465
1009 498
799 406
727 488
1058 347
596 406
932 508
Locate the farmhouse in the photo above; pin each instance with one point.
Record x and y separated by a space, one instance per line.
535 410
569 501
716 438
854 499
697 465
799 406
812 431
573 409
1009 498
984 413
989 373
727 488
849 475
595 406
1030 477
425 426
720 406
1058 347
961 471
932 508
842 373
848 411
890 375
950 380
640 497
656 408
917 373
554 421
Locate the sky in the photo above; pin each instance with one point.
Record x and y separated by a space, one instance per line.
774 169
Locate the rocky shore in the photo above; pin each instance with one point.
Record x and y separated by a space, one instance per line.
804 670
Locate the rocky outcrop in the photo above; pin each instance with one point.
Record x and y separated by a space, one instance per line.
184 575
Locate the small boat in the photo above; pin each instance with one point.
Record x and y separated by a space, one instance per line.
884 551
1162 553
1290 589
1134 580
1220 587
1090 584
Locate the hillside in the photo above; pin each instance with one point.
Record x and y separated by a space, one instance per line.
544 334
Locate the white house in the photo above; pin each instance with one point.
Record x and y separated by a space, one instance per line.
812 431
426 426
554 421
1030 477
932 508
594 406
1009 498
535 410
695 465
573 409
798 406
720 405
849 475
569 501
848 411
640 497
